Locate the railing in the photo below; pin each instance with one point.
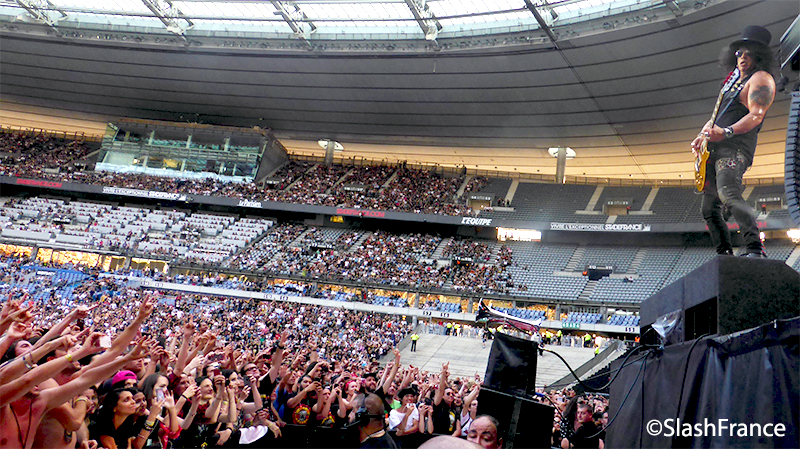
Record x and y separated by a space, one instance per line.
79 136
579 180
588 366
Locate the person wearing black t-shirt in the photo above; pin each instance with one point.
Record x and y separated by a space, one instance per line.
371 428
267 382
444 417
731 137
585 433
371 382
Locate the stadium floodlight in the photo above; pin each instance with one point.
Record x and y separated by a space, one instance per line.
336 145
170 16
297 20
541 20
425 18
554 152
39 10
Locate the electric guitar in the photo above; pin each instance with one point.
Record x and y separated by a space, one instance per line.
703 154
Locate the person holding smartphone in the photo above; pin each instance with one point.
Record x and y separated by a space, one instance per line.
159 400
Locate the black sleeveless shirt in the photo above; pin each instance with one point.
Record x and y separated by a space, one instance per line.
733 113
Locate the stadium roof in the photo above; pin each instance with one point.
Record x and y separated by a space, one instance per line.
487 85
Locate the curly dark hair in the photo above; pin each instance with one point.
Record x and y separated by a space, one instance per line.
762 56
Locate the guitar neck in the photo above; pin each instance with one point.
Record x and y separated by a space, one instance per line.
732 81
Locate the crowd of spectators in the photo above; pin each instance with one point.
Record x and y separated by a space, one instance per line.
293 250
116 366
478 251
382 258
32 154
395 188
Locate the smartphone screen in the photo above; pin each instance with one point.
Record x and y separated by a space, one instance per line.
160 394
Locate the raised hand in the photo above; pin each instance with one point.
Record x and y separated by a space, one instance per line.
219 381
92 344
18 331
146 308
89 444
169 402
139 351
82 312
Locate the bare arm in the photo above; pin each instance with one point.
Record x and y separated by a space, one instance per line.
183 353
12 391
57 396
55 331
437 398
141 438
471 396
295 400
760 94
124 339
407 379
393 372
108 442
251 407
343 406
326 408
230 414
212 413
69 416
17 367
277 357
187 420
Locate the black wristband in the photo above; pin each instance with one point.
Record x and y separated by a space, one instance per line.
728 132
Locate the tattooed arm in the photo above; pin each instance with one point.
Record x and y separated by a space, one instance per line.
760 93
757 96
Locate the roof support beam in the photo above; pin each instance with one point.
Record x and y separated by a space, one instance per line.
542 24
170 16
673 7
39 10
425 19
296 19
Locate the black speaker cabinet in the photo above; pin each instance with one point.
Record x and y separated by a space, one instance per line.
512 365
524 423
725 295
792 159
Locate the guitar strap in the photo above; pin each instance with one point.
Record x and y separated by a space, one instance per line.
736 88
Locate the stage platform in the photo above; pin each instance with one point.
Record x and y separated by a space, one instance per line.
467 357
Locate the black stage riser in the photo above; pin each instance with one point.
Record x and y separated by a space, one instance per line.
725 295
524 423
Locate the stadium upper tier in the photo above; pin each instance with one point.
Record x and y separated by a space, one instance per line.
394 188
380 259
319 21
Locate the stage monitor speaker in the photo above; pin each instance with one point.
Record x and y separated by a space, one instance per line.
792 160
725 295
512 365
524 423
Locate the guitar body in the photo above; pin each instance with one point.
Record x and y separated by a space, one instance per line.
732 81
700 166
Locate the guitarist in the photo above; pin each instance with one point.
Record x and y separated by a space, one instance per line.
731 140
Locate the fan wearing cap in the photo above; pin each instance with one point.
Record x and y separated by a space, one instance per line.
732 139
405 419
